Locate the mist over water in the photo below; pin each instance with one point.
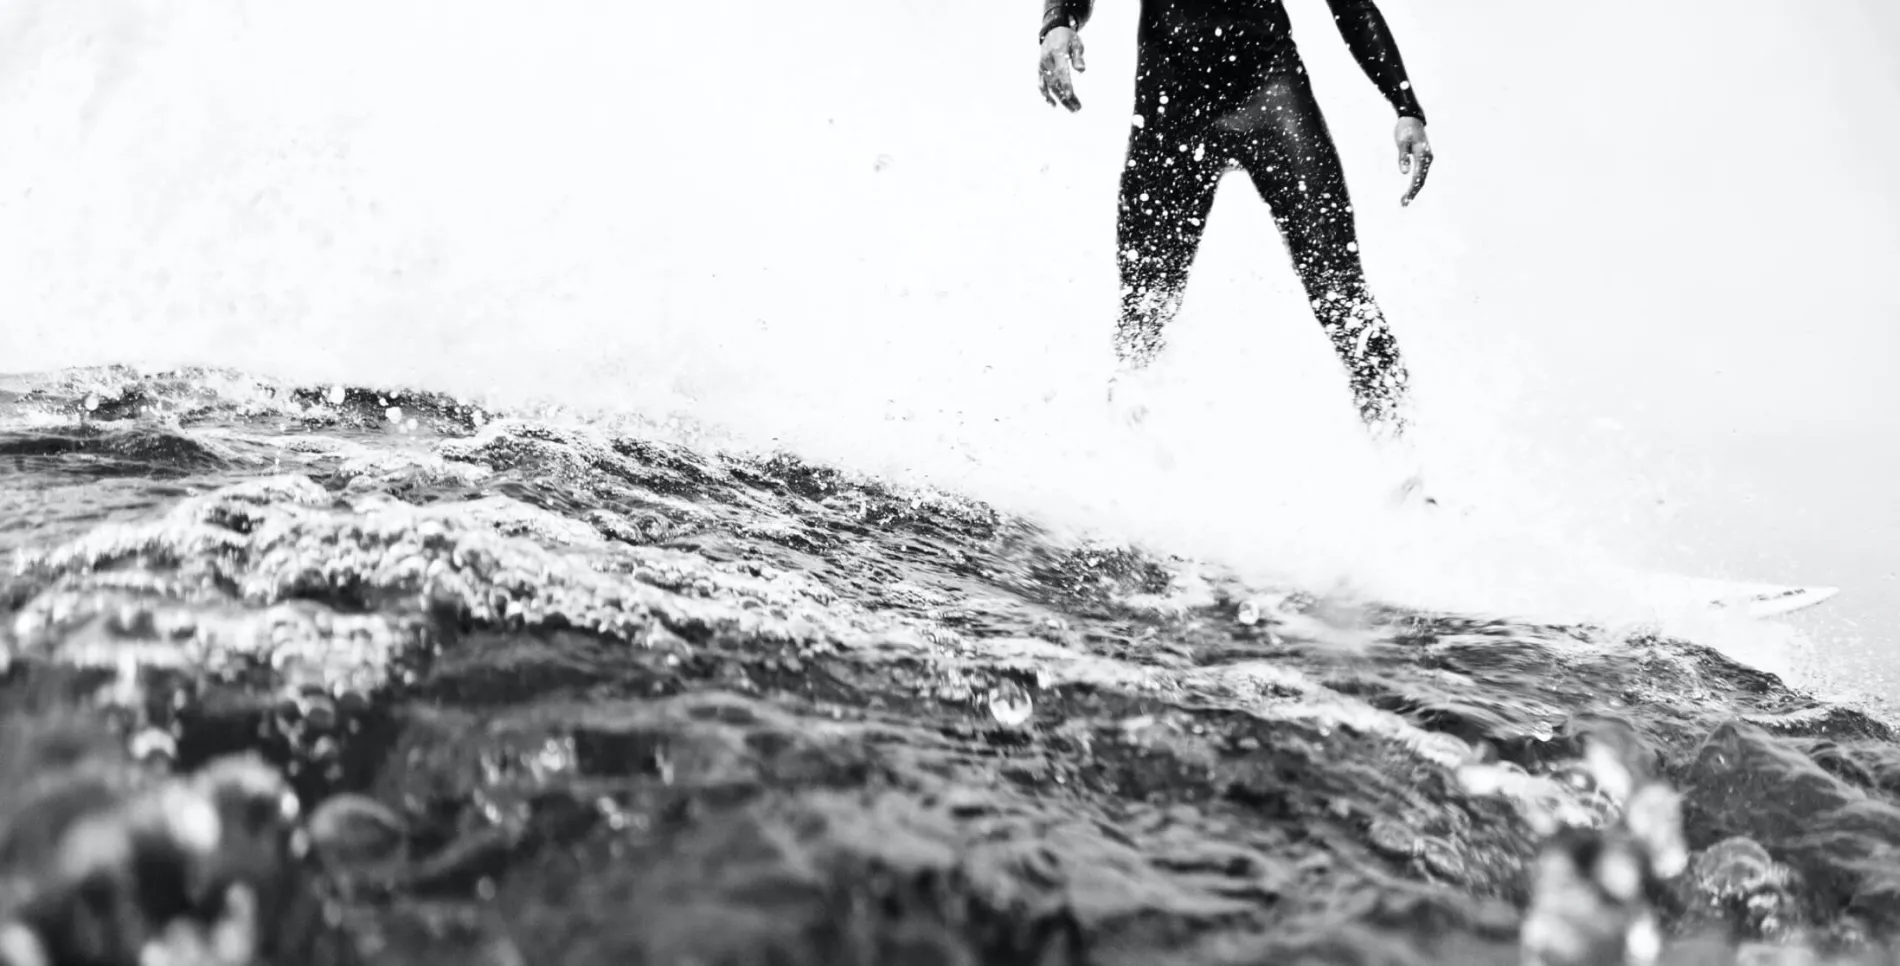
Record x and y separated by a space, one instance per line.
1651 254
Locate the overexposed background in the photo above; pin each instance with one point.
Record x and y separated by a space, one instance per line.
1646 295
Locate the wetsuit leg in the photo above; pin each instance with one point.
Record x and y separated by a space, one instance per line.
1167 189
1283 142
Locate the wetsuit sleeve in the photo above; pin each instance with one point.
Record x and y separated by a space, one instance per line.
1371 43
1064 13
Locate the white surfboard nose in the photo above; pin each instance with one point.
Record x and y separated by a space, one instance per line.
1770 602
1755 600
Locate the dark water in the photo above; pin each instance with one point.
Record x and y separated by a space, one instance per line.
300 675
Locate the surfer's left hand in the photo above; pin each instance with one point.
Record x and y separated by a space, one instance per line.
1415 154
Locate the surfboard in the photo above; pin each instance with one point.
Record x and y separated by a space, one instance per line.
1769 601
1752 599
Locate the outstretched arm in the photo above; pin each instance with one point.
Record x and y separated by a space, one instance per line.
1064 13
1371 43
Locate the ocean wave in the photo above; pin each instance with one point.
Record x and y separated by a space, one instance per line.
333 674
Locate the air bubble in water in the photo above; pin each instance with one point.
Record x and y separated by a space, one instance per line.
1249 613
394 413
152 742
1010 705
92 401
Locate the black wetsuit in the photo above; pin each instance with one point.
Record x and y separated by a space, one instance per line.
1218 83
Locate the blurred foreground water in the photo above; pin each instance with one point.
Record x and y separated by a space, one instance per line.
313 674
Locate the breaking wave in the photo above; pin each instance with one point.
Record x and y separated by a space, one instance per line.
386 676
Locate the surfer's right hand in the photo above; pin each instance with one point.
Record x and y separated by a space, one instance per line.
1415 155
1060 48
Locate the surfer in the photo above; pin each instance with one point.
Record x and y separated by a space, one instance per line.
1219 83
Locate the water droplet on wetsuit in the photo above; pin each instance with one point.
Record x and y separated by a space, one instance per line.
1010 705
